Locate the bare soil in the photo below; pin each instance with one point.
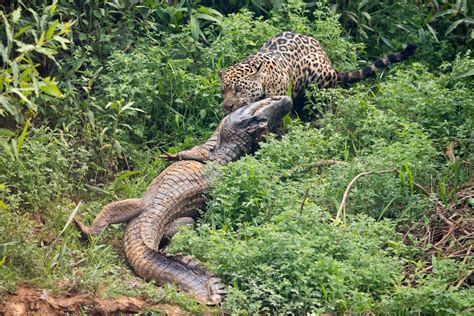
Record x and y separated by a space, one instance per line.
31 301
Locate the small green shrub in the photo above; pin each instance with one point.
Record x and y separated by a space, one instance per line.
434 293
439 107
18 251
164 87
28 41
47 168
441 29
299 262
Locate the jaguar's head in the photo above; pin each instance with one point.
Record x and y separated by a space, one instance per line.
241 84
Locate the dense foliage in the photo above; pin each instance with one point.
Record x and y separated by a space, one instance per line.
283 255
91 91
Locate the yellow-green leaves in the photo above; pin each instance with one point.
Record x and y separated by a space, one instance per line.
51 29
50 87
53 7
16 15
28 41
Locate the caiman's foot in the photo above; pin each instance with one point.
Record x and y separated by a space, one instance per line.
205 286
217 290
85 234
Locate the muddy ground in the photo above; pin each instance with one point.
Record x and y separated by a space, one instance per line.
30 301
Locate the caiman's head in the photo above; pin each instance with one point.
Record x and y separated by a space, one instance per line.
241 130
261 117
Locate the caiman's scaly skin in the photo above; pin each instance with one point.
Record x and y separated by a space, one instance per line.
174 197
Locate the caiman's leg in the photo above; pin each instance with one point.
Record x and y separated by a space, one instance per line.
113 213
173 228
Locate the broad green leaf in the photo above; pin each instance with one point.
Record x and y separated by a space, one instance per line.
41 40
49 86
207 17
82 37
15 73
53 7
30 104
21 139
432 31
4 51
8 106
177 119
453 26
287 120
21 31
118 147
209 11
447 12
126 126
97 14
36 85
6 133
128 107
66 27
10 243
409 176
78 63
24 48
403 27
386 41
34 13
24 76
48 52
367 16
126 175
194 24
63 41
7 148
51 29
8 30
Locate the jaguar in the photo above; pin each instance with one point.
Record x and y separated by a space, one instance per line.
290 61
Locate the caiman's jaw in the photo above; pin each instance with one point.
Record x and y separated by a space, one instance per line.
262 116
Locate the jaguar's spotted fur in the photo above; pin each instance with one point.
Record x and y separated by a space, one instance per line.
289 59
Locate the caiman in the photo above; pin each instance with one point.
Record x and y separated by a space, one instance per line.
174 197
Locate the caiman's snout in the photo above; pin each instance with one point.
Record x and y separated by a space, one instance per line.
273 108
266 113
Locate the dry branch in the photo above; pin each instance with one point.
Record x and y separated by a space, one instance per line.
342 206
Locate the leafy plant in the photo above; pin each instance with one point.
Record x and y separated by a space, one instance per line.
28 43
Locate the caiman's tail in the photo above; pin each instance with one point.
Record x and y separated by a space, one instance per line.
359 74
184 271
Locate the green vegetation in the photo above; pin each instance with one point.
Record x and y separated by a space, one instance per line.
91 93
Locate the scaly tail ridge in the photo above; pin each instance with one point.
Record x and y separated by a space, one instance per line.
369 71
